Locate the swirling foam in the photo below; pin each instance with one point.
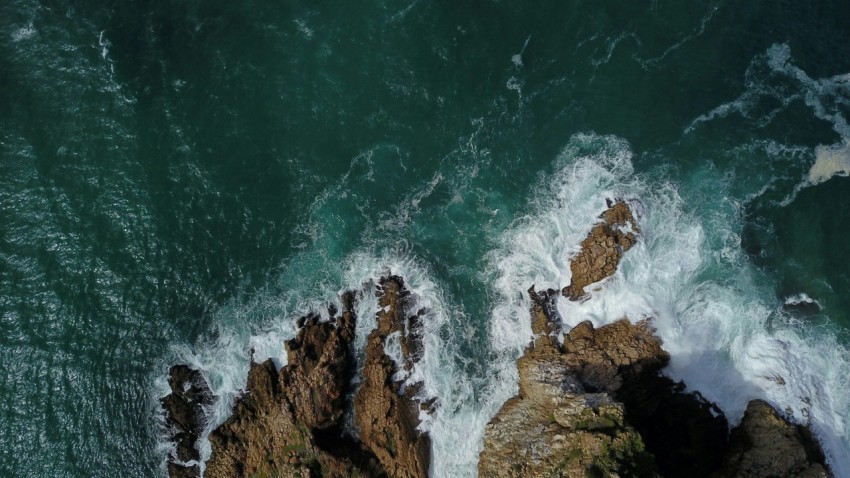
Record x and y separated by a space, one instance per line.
727 335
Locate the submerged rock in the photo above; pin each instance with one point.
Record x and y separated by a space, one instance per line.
185 415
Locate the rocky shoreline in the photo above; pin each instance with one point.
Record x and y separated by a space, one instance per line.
591 402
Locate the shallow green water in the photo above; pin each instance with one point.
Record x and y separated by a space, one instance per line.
176 172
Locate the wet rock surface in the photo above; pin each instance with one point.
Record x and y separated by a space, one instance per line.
556 426
277 426
289 422
591 401
387 416
603 248
185 416
595 403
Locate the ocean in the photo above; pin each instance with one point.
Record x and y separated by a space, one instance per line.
180 181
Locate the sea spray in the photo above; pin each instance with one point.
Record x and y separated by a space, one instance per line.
452 424
726 333
726 337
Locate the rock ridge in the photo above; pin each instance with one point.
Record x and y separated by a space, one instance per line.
289 422
592 400
596 404
600 252
387 416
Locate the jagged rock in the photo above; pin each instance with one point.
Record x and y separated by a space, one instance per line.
685 433
287 422
580 401
602 359
765 445
185 416
387 416
555 426
317 371
603 248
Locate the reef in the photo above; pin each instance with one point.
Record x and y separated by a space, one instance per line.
592 400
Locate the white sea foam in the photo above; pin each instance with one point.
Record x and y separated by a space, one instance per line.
830 161
725 336
436 369
516 59
24 33
223 359
801 298
654 62
774 76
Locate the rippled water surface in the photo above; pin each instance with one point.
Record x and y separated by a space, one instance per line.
180 180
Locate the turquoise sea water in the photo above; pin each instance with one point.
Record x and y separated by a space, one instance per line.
180 180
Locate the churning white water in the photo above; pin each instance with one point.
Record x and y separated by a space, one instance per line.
727 334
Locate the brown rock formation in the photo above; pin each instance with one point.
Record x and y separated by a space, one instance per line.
592 404
564 421
765 445
554 426
185 416
580 402
288 422
386 415
603 248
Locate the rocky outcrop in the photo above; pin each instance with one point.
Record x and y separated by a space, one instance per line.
289 422
557 426
765 445
586 403
603 248
185 416
386 414
591 401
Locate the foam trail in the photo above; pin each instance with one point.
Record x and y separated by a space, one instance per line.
773 76
726 336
